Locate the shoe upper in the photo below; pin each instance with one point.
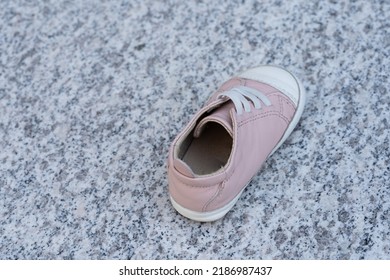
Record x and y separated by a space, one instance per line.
215 156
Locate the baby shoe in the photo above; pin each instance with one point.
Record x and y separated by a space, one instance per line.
244 122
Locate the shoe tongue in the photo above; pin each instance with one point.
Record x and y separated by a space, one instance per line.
221 116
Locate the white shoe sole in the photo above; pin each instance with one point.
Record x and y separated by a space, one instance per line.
220 212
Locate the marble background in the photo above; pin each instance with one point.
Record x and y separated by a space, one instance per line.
93 92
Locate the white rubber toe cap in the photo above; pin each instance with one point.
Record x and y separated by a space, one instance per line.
278 78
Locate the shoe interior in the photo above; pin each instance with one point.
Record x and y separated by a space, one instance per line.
209 152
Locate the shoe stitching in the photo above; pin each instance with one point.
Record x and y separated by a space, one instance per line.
291 105
293 108
214 197
220 191
280 105
283 98
264 116
278 87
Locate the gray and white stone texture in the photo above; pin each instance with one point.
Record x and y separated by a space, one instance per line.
92 93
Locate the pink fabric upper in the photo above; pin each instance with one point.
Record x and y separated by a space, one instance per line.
255 134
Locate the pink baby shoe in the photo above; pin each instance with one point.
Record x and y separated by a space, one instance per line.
225 144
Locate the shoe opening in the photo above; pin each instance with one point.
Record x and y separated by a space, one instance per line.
209 152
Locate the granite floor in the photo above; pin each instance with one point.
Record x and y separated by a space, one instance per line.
93 92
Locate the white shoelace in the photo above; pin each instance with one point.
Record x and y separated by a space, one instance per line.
240 95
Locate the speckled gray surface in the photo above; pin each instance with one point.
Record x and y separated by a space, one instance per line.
92 94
